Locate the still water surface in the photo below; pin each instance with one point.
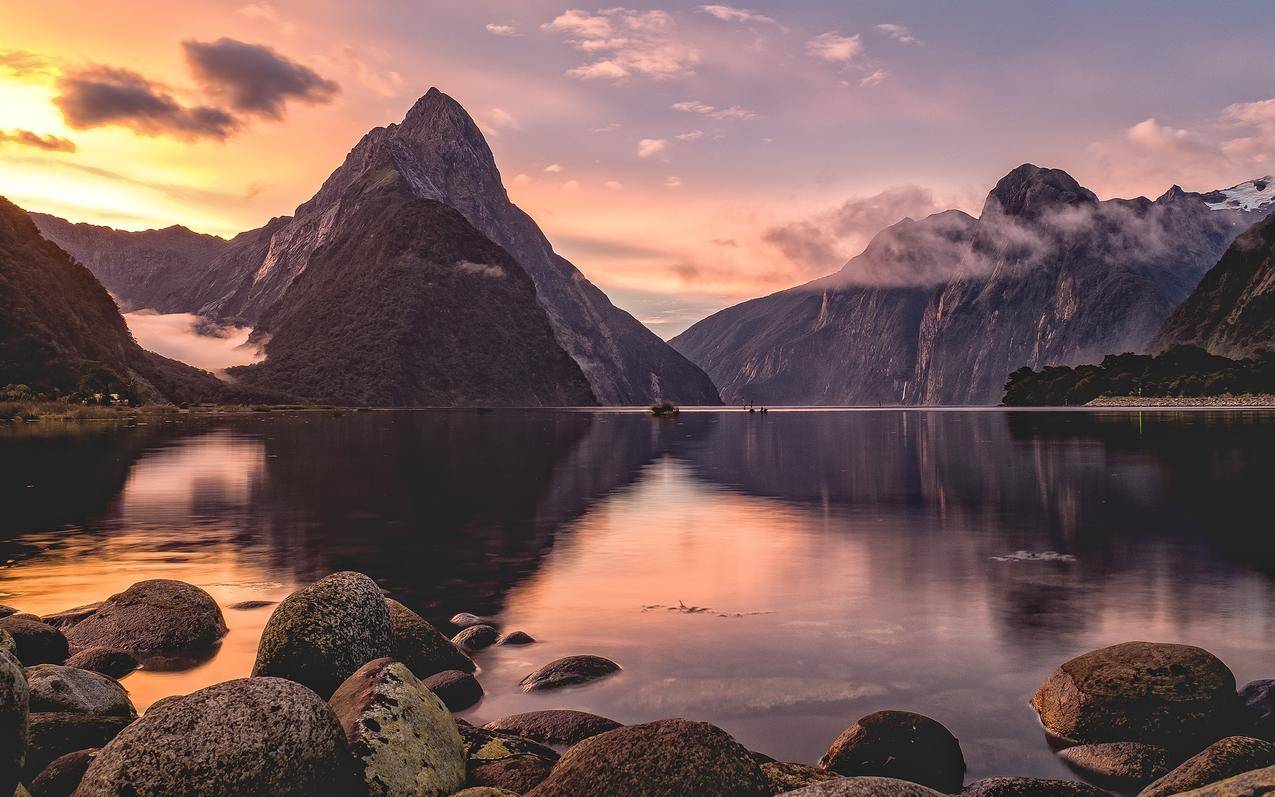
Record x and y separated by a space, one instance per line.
850 560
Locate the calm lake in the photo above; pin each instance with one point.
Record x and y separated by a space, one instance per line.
848 561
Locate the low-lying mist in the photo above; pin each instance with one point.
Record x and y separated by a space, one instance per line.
193 340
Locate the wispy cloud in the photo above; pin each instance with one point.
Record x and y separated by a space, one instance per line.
554 168
732 14
899 33
877 76
690 135
26 138
496 29
714 112
622 43
835 48
673 182
650 147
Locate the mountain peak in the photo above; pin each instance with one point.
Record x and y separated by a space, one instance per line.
438 114
1029 190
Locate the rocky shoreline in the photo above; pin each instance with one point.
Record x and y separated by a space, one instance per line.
352 694
1227 400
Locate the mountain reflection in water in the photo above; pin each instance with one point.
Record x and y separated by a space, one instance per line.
850 560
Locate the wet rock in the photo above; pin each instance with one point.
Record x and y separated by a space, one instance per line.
159 616
785 777
70 617
483 744
249 737
1250 784
668 757
1124 765
465 620
1172 695
13 720
55 687
107 661
36 643
458 690
319 635
558 727
61 777
5 611
516 638
900 745
1259 705
475 638
864 787
8 646
1030 787
53 734
484 791
1223 759
421 646
243 606
517 773
568 671
403 739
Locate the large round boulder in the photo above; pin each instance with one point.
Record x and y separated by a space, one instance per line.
55 687
319 635
668 758
66 619
568 671
900 745
159 618
556 727
1171 695
1127 766
63 775
476 638
110 662
14 699
53 734
403 739
1030 787
458 690
35 642
1250 784
516 773
421 646
1223 759
864 787
251 737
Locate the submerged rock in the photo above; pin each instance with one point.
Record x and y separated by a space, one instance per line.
517 773
864 787
1224 758
63 775
403 739
55 687
320 634
35 642
53 734
516 638
111 662
668 757
1122 764
1173 695
785 777
900 745
568 671
475 638
458 690
250 737
558 727
243 606
13 719
421 646
159 616
1030 787
1250 784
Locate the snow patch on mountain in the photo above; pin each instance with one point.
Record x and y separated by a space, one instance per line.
1252 195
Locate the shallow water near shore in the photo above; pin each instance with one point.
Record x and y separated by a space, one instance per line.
779 575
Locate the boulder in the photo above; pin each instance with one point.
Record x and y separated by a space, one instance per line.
55 687
70 617
516 638
785 777
157 617
8 645
475 638
243 606
1250 784
465 620
35 642
5 611
1170 695
1259 705
557 727
1123 765
484 791
482 744
403 739
655 759
458 690
517 773
568 671
899 745
14 699
250 737
319 635
1030 787
53 734
107 661
1224 758
421 646
63 775
864 787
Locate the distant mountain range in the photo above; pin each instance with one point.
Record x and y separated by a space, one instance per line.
942 310
437 156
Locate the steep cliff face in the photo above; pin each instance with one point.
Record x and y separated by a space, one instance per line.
1047 275
1231 313
405 303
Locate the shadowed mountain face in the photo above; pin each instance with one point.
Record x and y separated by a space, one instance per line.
437 153
942 310
1231 312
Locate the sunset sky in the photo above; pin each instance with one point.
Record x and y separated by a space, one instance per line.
684 156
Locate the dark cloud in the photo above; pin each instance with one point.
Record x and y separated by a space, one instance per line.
28 139
254 78
98 96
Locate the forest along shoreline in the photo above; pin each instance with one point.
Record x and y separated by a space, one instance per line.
352 693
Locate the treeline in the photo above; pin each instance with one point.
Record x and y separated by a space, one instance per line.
1180 371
